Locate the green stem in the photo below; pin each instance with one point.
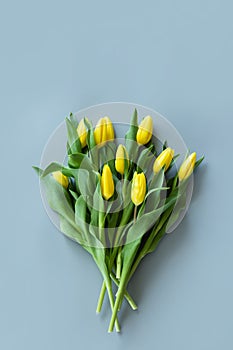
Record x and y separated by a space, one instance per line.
121 301
126 295
124 221
108 283
116 306
111 299
120 294
101 228
123 283
135 214
118 264
101 298
103 288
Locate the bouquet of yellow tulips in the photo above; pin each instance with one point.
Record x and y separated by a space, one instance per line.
116 200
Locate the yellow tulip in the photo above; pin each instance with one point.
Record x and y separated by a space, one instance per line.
145 130
122 157
110 130
138 190
82 133
107 184
163 160
61 179
103 131
187 167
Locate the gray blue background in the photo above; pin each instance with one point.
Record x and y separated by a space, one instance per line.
172 56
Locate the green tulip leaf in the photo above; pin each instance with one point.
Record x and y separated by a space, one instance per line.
38 170
147 221
130 136
73 121
75 160
53 167
153 195
199 161
145 159
90 135
57 196
70 231
73 139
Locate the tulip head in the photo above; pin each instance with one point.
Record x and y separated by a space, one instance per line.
110 130
138 190
163 160
187 167
122 159
145 130
82 133
103 131
107 184
61 179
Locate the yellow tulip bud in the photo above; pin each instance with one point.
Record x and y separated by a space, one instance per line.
138 190
163 160
187 167
82 133
110 130
61 179
122 157
107 184
98 132
103 131
145 130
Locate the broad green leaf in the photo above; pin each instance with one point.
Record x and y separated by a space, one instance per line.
73 139
129 252
68 148
110 155
147 221
145 159
126 191
73 120
37 170
58 198
52 167
98 207
87 183
180 204
156 240
75 160
74 194
199 161
130 136
80 160
90 134
125 223
154 197
98 201
70 231
89 234
127 213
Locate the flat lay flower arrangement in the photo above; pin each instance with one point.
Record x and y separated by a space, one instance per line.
117 200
